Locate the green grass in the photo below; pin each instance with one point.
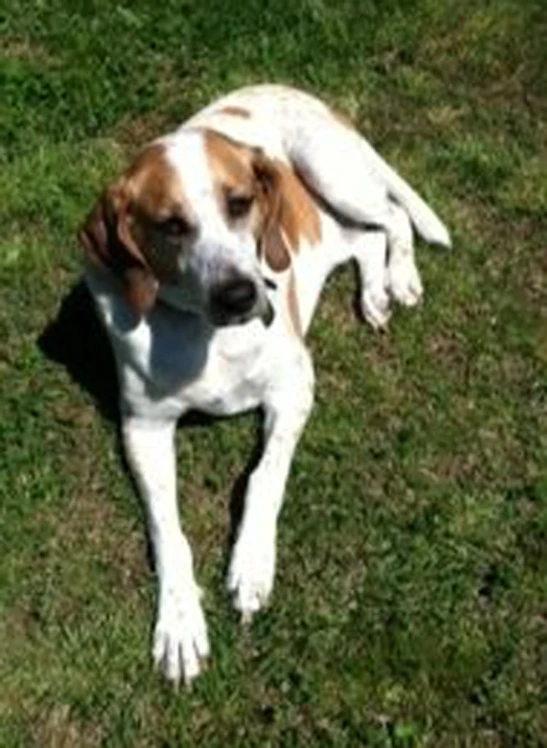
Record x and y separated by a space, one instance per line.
410 607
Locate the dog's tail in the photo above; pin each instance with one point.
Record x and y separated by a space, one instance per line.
341 166
427 223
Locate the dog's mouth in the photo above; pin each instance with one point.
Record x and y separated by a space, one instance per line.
268 315
230 302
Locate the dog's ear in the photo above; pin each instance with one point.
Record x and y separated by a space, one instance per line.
107 241
273 239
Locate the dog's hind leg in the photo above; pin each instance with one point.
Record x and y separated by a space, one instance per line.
339 164
370 253
403 278
387 267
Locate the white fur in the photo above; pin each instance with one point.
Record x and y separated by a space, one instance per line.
335 160
173 360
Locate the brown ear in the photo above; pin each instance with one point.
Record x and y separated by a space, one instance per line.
107 241
273 239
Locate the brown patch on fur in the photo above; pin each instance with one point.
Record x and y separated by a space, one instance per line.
118 232
272 241
284 212
152 184
236 111
231 165
292 303
299 216
107 242
292 213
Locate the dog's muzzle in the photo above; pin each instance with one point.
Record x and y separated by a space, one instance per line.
237 301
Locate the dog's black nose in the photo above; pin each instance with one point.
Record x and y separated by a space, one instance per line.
234 298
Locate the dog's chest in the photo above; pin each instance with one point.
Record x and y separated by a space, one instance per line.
173 361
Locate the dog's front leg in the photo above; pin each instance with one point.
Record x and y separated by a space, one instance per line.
180 636
252 567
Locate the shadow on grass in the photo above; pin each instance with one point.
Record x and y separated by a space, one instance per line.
76 340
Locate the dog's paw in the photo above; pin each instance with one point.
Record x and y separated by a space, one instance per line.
180 638
251 574
404 282
375 307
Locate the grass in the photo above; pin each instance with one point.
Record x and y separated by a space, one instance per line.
410 605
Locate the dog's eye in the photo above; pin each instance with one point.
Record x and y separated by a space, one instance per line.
239 205
174 226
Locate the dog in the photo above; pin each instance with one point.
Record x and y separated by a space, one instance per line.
206 259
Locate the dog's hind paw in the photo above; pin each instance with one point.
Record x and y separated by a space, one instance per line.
404 282
375 308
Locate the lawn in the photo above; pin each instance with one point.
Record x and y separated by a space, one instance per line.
410 606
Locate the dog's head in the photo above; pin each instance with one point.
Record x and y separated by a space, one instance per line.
197 214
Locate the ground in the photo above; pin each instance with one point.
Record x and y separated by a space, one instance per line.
410 606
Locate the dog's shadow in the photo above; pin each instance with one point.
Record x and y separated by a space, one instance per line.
76 340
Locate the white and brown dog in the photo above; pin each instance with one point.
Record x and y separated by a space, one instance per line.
206 260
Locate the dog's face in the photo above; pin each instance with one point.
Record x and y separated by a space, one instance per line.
195 213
